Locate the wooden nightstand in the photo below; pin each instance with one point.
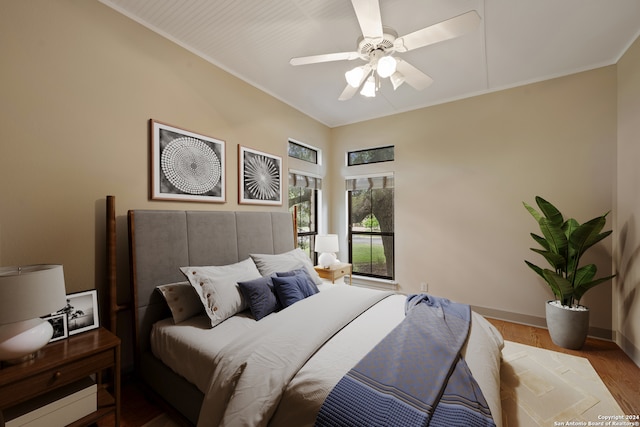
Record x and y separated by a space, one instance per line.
335 271
66 362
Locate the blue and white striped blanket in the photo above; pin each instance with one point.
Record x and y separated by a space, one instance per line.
415 376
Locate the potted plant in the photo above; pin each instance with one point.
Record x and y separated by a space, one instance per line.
563 242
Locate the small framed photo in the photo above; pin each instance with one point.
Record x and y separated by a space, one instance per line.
82 311
186 166
59 323
260 177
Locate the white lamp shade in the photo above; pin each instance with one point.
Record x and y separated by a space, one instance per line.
26 294
327 243
30 291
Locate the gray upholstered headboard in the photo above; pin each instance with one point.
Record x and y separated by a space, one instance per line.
160 242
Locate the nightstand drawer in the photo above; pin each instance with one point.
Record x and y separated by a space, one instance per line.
48 380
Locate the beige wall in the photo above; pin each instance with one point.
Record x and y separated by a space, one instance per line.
627 248
79 83
462 171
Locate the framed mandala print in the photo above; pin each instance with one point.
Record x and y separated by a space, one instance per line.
260 177
186 166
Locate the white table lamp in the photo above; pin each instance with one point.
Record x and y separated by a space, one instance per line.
327 245
26 294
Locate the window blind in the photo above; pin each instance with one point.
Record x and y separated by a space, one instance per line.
304 181
369 182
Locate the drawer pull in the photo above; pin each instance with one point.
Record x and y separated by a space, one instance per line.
57 375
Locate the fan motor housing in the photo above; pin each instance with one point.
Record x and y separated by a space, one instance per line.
366 45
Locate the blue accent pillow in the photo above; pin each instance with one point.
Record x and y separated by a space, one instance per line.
260 296
289 290
311 288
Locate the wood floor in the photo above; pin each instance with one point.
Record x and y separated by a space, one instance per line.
616 369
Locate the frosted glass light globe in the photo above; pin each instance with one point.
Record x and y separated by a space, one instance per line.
354 76
386 66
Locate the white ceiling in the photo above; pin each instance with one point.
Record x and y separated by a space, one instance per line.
517 42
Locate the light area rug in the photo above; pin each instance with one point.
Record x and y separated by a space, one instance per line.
538 388
545 388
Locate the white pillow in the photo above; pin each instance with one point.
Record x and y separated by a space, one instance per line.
270 264
181 299
217 287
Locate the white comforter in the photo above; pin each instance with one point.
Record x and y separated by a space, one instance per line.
280 371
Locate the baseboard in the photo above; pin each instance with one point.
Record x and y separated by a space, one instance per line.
628 347
540 322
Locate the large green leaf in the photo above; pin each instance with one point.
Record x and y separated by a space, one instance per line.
552 285
583 275
541 241
586 235
534 213
562 287
595 238
581 239
535 268
569 227
557 261
579 291
549 211
554 235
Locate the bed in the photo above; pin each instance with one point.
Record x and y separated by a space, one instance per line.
215 364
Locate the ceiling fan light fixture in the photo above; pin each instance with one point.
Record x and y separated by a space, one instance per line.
354 76
369 88
386 66
379 43
397 79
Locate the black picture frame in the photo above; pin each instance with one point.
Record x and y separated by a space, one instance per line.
259 177
186 166
82 311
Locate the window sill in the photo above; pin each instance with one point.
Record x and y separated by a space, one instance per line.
372 282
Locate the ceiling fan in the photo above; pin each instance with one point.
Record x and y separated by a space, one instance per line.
377 45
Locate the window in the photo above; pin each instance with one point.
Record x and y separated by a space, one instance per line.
371 226
370 155
303 197
303 152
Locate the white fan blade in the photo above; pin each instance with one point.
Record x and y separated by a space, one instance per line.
349 91
414 77
441 31
368 14
327 57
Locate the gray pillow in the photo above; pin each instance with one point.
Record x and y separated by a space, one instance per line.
217 287
269 264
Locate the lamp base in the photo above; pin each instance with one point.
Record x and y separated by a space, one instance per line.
21 341
326 259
